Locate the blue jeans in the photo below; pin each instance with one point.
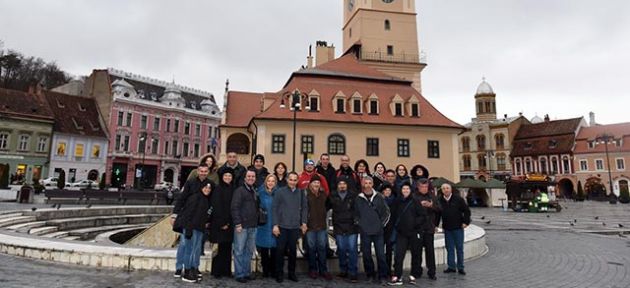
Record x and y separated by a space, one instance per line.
179 258
244 247
192 249
379 248
454 241
317 250
347 251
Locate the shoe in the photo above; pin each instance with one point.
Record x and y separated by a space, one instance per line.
327 276
293 278
354 279
241 280
432 277
461 272
412 280
189 276
199 275
395 281
312 275
342 275
449 270
178 273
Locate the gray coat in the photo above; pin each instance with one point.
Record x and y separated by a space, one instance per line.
243 208
290 208
372 214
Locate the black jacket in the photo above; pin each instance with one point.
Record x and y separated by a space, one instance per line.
221 201
410 217
243 207
239 174
371 214
261 174
330 174
353 180
432 213
194 214
343 211
454 213
191 187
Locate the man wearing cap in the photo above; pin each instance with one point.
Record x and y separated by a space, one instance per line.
345 230
317 234
307 174
261 170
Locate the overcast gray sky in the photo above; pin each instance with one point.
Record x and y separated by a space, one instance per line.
561 57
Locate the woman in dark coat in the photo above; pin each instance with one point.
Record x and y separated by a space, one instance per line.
402 176
221 228
280 171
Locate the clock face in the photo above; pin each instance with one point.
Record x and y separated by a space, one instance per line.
388 1
350 5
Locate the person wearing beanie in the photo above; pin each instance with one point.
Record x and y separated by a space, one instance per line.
346 232
261 171
221 227
317 233
305 178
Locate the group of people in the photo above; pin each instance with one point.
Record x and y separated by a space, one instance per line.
243 210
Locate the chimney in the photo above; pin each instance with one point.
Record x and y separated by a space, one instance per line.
546 117
323 53
309 59
591 117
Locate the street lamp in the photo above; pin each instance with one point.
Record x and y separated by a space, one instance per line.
605 139
296 97
143 140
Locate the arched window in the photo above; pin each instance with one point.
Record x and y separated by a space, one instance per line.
543 165
336 144
565 165
528 165
466 144
467 163
499 140
388 25
554 165
501 164
481 142
517 164
239 143
481 158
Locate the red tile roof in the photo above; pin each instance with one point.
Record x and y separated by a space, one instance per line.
550 137
619 131
14 103
75 114
241 108
344 75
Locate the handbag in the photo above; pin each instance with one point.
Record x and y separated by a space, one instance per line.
262 213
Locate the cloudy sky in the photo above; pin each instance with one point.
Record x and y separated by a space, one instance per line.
558 57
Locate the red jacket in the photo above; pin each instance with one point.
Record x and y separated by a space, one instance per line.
305 179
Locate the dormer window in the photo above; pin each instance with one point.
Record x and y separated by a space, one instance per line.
59 104
356 106
591 144
81 108
374 106
415 110
528 146
553 143
340 105
398 109
313 101
76 124
193 105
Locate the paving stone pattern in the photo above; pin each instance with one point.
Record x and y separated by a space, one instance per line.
526 250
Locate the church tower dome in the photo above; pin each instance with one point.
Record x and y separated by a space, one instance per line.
485 102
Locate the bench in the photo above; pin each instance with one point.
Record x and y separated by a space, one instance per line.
63 193
100 195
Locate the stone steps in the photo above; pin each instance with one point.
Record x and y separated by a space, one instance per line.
71 238
24 227
99 221
43 230
11 215
9 221
91 233
59 234
82 212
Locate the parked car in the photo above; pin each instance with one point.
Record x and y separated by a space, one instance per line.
84 184
50 181
163 185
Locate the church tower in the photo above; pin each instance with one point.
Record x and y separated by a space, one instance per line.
485 102
383 34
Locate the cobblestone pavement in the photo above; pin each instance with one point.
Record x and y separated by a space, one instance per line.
526 250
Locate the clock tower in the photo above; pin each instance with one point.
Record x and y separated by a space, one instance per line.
383 35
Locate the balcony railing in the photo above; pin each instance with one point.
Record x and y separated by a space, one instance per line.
394 58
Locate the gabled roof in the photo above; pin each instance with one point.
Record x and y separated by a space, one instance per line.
75 114
241 108
14 103
548 128
618 131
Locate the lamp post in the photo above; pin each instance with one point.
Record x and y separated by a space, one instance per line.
143 140
605 139
296 97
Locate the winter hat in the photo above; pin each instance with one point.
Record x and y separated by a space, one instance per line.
309 162
343 178
225 169
315 177
259 157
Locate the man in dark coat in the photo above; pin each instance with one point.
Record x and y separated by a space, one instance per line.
245 217
261 170
345 170
239 170
326 169
455 216
372 215
430 202
342 202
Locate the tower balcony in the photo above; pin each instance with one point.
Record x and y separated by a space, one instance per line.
394 58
